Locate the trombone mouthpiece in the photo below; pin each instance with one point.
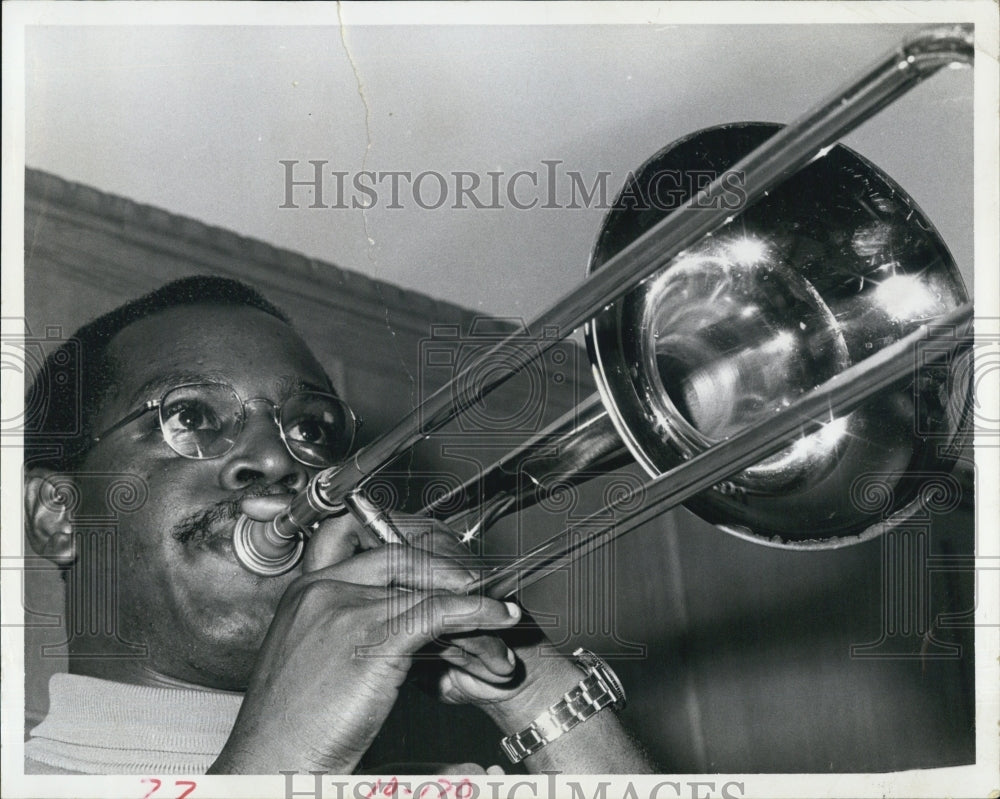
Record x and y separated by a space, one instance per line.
275 547
262 549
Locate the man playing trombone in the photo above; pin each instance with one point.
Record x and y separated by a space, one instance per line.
205 397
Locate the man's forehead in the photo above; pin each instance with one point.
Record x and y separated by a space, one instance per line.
281 385
247 347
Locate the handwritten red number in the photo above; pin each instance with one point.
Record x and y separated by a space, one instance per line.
156 786
464 789
192 785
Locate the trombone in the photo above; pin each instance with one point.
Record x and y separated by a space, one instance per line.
739 356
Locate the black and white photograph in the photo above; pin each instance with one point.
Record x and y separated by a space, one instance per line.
503 400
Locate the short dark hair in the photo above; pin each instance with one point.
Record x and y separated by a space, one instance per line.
77 378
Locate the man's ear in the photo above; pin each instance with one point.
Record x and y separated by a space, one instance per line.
48 507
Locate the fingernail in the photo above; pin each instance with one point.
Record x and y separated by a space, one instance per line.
513 609
511 657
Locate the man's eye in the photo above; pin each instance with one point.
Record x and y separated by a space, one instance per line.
311 431
190 415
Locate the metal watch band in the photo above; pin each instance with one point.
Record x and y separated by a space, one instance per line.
600 688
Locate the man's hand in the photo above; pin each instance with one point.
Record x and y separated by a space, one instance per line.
342 642
538 676
542 676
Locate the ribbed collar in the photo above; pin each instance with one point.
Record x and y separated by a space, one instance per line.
102 727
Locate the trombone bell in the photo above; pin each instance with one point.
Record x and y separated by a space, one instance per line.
831 266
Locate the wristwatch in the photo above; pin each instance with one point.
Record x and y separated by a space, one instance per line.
600 688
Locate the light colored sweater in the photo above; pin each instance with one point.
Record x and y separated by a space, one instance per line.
101 727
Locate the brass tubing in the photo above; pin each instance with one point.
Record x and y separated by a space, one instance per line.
837 396
780 156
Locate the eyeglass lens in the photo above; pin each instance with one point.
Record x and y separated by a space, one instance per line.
204 420
318 428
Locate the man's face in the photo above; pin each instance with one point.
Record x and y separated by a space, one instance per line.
181 591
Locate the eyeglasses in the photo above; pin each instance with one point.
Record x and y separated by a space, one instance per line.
203 421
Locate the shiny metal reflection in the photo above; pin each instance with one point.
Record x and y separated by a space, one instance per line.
831 266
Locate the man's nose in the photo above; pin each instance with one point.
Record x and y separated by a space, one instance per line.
260 457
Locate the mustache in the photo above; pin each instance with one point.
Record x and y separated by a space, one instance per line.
202 527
